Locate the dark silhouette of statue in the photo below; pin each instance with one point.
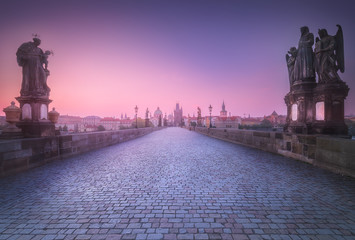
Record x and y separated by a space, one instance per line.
146 113
34 76
329 51
304 64
290 60
199 118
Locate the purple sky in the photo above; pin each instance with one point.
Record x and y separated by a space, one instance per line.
110 56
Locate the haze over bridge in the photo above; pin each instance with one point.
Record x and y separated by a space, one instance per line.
177 184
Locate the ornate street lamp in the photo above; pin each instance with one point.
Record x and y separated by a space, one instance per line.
210 108
136 109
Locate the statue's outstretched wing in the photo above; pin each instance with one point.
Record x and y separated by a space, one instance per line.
339 50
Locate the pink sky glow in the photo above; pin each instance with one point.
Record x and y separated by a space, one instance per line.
112 56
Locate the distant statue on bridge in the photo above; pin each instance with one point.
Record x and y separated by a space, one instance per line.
304 64
199 118
146 113
329 52
34 75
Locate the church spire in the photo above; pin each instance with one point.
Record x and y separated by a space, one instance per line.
223 112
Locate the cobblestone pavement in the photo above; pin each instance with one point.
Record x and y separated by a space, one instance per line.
177 184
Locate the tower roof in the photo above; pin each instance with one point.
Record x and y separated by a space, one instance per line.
223 106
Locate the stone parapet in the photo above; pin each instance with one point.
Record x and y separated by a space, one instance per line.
22 154
328 152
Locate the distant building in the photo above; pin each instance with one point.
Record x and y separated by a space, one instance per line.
90 123
207 121
178 119
251 121
110 123
224 121
223 112
170 120
92 120
157 118
72 123
126 123
276 119
191 121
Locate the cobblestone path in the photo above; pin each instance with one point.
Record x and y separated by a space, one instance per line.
177 184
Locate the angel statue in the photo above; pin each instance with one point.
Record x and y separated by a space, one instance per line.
329 52
290 60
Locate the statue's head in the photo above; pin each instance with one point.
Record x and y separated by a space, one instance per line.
304 30
293 51
37 41
322 33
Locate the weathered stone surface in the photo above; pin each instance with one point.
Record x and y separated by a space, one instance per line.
165 186
334 154
22 154
17 154
7 146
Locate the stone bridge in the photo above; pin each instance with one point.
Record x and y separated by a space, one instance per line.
177 184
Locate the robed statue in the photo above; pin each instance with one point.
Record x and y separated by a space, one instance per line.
146 113
304 64
329 51
34 68
199 118
290 60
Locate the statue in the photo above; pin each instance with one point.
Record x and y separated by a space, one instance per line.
329 51
304 64
199 118
146 113
34 76
290 60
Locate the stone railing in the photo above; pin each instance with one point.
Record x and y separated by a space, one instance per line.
22 154
331 153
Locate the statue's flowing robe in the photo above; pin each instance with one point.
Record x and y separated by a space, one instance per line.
304 64
34 78
327 67
291 68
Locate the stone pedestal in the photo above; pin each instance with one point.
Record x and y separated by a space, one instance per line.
316 108
300 110
34 116
328 101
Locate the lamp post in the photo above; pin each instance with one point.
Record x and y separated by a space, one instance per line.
210 108
136 109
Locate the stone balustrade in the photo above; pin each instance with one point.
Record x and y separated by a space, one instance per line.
328 152
22 154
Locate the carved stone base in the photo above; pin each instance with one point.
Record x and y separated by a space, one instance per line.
11 132
316 108
331 128
332 95
299 103
299 128
32 129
